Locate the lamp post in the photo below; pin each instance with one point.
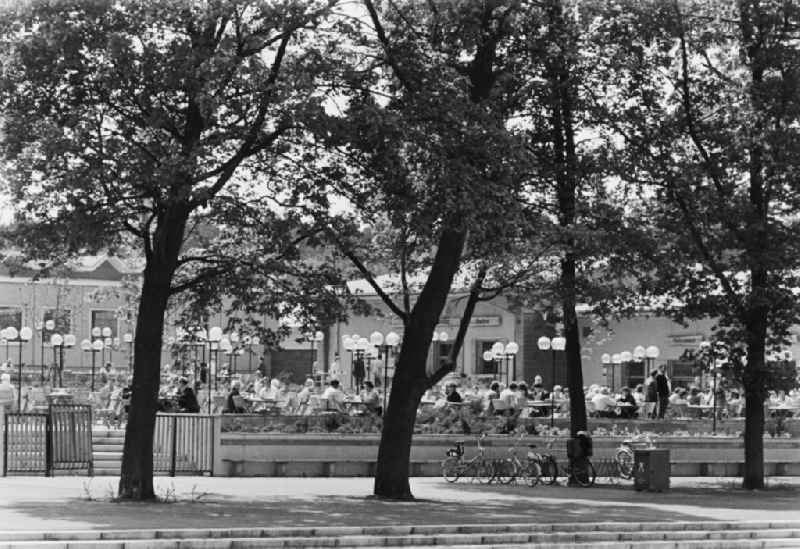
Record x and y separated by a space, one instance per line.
439 337
555 344
385 346
40 327
20 336
226 347
214 337
650 354
605 360
314 338
499 355
512 348
717 355
59 341
128 338
107 344
506 354
93 347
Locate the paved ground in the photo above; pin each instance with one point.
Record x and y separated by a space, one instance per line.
49 504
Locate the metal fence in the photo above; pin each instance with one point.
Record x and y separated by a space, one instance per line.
183 443
41 443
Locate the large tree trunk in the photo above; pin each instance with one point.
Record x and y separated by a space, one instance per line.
754 391
136 479
577 400
565 163
410 380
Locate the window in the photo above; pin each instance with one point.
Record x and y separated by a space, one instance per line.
105 319
10 316
62 319
484 366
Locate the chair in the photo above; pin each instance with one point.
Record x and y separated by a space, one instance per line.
239 404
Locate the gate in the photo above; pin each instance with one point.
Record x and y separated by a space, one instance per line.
183 443
26 444
71 436
60 440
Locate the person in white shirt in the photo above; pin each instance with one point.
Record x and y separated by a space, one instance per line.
604 404
509 395
334 395
8 393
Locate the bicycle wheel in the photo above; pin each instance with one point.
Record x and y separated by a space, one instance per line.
483 471
549 469
624 460
451 469
505 470
583 472
533 473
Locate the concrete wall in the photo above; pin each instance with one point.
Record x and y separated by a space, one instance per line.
258 454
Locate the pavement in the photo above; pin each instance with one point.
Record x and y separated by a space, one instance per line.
80 503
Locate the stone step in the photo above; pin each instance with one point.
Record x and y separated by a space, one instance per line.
106 448
700 535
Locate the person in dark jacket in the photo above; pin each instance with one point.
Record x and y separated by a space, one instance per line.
187 401
662 389
651 395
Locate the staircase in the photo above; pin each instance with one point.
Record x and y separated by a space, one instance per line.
107 451
653 535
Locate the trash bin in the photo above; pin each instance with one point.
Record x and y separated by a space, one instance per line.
651 469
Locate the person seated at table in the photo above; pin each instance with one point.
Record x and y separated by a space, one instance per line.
638 394
509 395
626 397
371 398
304 396
604 404
695 397
187 401
735 404
678 397
451 394
538 392
234 404
334 396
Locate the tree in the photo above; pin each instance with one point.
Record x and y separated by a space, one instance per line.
424 152
706 101
126 119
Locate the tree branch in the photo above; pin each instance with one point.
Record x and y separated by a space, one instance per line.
450 362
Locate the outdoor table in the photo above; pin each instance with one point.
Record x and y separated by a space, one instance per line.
355 406
701 409
783 410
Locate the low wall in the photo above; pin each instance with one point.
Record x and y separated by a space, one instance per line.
261 454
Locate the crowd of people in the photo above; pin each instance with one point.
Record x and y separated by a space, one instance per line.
654 399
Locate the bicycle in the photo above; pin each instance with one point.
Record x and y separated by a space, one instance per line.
623 457
455 467
512 468
579 467
548 468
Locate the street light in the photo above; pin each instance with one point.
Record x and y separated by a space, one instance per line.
555 344
605 360
214 337
93 347
128 338
57 340
313 338
717 356
385 346
24 334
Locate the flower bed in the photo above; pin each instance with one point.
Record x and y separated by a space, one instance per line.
465 420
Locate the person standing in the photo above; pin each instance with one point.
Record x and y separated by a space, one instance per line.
651 396
662 389
187 401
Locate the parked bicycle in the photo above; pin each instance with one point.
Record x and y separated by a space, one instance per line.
548 467
512 468
579 468
455 466
623 457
